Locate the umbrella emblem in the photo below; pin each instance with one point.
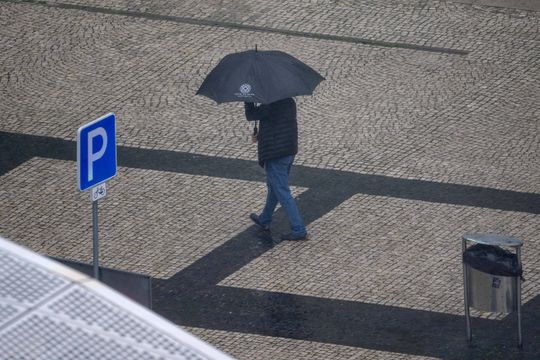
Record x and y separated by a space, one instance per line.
245 89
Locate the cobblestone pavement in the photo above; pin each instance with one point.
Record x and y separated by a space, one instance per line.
265 347
425 128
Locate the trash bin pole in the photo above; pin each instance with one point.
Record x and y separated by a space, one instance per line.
466 291
518 290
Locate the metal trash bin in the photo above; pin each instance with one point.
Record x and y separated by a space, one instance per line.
492 276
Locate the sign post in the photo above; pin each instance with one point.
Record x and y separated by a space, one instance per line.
95 241
96 162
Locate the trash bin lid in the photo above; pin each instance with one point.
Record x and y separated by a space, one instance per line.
492 260
493 239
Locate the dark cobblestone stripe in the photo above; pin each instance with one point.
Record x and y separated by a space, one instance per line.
19 147
369 326
238 26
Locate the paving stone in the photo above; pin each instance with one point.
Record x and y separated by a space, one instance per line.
248 346
389 251
385 110
151 222
463 119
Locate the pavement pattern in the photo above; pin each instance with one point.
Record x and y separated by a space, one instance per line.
426 128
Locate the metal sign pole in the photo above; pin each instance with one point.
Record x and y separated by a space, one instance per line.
466 292
95 238
518 296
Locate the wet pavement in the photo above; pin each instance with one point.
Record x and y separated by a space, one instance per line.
425 129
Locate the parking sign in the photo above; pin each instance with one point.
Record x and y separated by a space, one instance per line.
96 151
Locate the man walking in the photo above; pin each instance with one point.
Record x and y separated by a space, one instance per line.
277 146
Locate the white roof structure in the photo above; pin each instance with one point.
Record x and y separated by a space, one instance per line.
49 311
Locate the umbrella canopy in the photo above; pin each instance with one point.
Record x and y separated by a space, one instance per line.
259 76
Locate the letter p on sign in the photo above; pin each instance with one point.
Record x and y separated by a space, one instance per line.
96 151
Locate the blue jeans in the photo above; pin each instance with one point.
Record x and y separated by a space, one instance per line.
277 181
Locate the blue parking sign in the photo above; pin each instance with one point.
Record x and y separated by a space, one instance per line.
96 151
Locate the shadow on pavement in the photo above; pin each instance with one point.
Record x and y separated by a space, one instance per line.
192 298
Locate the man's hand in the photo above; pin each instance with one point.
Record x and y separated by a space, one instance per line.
255 135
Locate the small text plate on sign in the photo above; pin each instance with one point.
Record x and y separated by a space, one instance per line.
99 191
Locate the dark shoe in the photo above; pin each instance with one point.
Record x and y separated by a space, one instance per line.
293 237
255 218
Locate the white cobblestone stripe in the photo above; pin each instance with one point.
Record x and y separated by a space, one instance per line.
388 251
151 222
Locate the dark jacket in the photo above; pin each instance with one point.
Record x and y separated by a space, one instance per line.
278 133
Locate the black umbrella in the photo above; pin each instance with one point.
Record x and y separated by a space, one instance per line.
259 76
